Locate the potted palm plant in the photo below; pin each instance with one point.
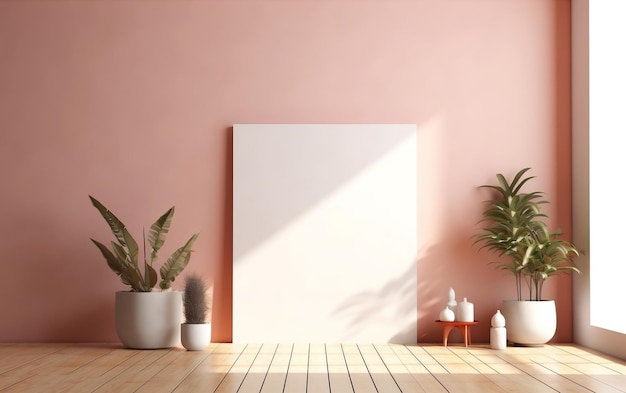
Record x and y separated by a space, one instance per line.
145 319
195 331
516 233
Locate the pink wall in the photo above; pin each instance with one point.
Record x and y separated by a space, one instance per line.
132 102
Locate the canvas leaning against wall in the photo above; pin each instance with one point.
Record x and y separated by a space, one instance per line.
325 233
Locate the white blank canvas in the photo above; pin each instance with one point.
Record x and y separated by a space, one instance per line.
325 233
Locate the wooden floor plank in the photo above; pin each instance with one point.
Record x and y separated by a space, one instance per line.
338 376
357 369
239 371
397 369
100 371
296 381
595 377
383 380
17 356
138 374
318 380
311 368
208 375
48 369
181 364
258 370
56 369
277 372
411 358
17 367
460 376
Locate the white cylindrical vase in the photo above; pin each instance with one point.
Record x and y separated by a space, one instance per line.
498 338
465 311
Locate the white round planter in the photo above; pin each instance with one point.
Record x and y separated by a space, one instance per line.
148 320
529 322
195 336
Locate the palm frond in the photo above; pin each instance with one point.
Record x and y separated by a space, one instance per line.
514 230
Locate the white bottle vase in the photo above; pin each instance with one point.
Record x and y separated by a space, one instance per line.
465 311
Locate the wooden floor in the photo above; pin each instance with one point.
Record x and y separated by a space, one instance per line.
307 368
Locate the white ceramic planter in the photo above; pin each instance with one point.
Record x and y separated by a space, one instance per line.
148 320
195 336
529 322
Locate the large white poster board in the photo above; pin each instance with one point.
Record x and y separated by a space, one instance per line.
325 233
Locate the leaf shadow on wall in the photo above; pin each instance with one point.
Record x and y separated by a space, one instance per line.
444 266
391 302
436 270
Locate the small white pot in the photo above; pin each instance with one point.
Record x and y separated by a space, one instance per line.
148 320
529 322
195 336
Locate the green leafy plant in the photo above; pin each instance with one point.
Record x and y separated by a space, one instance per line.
194 299
123 256
520 238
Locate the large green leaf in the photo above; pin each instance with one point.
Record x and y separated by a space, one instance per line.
121 253
150 275
111 259
176 263
158 232
119 230
132 275
127 271
122 258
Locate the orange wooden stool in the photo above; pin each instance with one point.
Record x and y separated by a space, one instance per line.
464 326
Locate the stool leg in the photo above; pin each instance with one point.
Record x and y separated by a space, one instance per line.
465 330
446 332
